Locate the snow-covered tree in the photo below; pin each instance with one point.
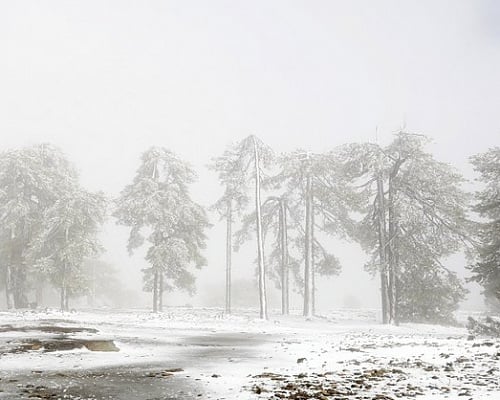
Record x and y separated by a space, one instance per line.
486 271
232 176
31 180
248 159
309 194
158 208
318 198
416 216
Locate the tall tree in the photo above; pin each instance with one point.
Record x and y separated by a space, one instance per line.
416 215
235 198
158 202
31 179
318 198
249 158
486 269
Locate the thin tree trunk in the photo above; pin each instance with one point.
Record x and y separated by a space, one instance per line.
228 255
17 275
93 287
313 268
19 280
160 294
396 275
156 294
392 258
61 297
260 242
155 290
9 272
382 247
284 258
313 285
10 284
308 276
8 287
66 300
63 293
64 273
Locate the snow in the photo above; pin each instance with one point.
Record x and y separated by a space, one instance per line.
225 353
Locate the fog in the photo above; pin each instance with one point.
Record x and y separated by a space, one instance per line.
105 80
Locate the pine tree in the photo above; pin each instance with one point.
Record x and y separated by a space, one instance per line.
158 203
486 270
319 198
31 179
308 194
249 158
235 198
415 216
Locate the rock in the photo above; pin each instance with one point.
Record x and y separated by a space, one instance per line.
174 370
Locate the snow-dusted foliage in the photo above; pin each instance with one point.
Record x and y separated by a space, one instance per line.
48 223
415 216
307 192
241 164
158 209
69 238
318 199
232 175
486 269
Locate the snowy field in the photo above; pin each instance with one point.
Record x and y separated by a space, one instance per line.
186 353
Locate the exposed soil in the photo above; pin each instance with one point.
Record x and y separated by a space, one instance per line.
60 339
59 344
132 382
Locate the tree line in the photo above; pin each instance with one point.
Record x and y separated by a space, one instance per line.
406 209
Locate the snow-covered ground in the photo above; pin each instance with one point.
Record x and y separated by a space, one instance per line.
200 353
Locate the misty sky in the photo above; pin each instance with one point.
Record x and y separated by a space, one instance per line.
104 80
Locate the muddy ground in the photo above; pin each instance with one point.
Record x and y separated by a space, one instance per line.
151 382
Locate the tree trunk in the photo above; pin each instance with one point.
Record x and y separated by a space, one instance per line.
8 287
382 247
228 255
19 281
155 291
308 276
66 300
160 294
156 294
93 287
285 310
63 286
392 257
17 274
313 269
64 289
260 243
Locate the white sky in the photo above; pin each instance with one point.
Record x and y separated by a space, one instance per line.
104 80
